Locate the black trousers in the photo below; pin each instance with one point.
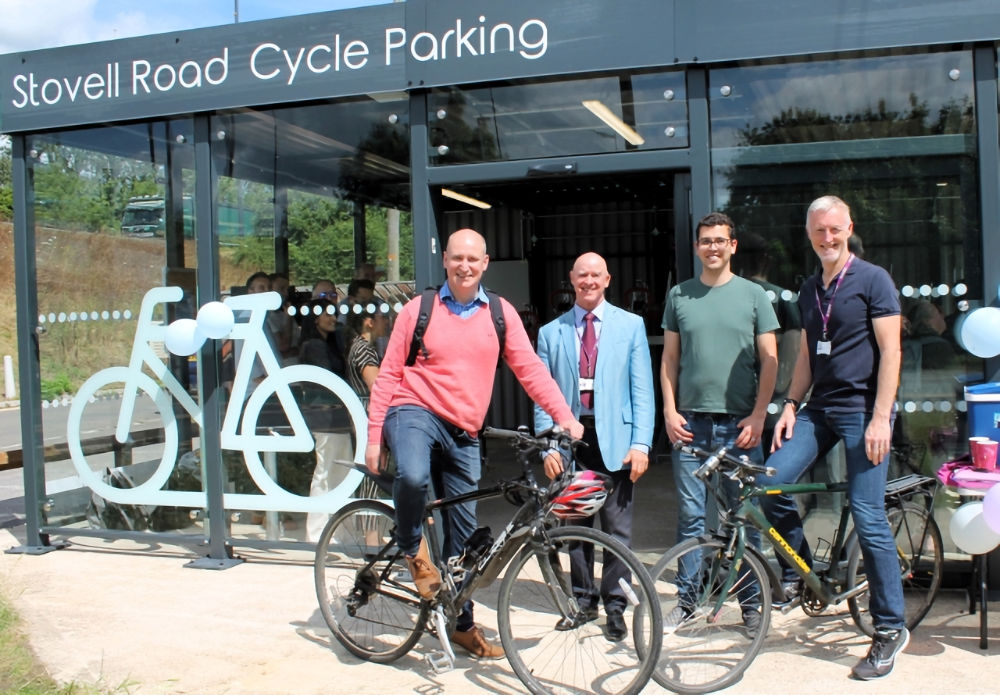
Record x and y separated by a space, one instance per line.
616 520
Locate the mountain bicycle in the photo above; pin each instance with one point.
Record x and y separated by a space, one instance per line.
243 426
706 584
368 600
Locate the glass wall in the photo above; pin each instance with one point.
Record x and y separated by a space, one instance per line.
894 136
112 222
317 200
553 118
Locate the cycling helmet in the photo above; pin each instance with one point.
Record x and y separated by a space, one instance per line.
582 495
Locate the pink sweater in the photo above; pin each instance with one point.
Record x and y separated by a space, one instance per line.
456 381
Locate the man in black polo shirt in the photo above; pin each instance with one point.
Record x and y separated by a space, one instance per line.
849 356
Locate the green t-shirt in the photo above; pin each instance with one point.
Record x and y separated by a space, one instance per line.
718 327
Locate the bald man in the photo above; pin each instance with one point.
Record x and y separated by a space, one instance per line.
608 381
442 400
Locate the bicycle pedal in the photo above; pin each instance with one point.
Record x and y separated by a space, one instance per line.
790 606
440 661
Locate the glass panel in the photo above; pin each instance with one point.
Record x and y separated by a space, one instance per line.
113 222
548 118
851 99
300 192
906 198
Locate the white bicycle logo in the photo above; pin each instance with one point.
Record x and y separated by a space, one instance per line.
237 433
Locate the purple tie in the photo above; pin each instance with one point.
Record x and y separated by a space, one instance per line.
588 358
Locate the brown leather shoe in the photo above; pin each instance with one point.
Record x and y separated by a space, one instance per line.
425 575
474 642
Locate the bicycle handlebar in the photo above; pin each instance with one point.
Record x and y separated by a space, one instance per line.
739 466
522 439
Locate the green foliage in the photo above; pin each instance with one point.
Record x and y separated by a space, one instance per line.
57 386
6 187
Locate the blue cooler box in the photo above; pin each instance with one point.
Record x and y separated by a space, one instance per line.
983 402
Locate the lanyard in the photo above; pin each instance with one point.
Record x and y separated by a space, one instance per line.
825 315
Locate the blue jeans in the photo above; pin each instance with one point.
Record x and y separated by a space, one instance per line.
710 430
814 435
417 437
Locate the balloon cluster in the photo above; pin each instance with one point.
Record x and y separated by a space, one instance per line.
980 332
186 336
975 526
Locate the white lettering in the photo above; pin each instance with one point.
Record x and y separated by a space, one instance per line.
356 49
93 86
140 77
253 61
74 88
510 37
293 66
23 101
390 44
171 74
309 59
193 67
432 55
45 90
223 62
539 46
463 39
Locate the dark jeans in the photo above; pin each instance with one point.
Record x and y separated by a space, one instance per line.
416 436
814 435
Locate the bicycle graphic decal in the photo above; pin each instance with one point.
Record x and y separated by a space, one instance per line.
240 430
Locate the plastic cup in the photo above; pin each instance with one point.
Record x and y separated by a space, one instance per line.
984 454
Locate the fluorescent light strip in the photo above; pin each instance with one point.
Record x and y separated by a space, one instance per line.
454 195
616 124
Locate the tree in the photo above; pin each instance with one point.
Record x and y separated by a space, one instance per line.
6 184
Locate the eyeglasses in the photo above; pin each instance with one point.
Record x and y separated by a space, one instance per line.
327 295
706 243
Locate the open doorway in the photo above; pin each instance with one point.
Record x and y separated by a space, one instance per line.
535 228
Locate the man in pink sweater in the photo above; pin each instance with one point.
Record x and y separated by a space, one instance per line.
442 400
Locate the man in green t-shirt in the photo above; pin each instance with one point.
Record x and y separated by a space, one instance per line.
717 328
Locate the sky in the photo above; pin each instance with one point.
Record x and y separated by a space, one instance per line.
33 24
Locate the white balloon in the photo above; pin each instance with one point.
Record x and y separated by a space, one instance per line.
981 332
970 531
215 320
183 338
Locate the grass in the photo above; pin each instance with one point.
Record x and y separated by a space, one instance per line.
20 672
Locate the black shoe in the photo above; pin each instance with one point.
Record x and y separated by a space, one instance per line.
616 629
792 591
582 617
751 620
886 644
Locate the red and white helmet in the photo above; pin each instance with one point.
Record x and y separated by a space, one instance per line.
583 494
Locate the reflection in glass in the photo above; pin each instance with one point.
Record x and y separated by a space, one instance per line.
547 118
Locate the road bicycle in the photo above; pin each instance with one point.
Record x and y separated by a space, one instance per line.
707 584
243 428
368 600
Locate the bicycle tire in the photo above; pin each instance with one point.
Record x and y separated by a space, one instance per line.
922 581
371 607
582 659
706 644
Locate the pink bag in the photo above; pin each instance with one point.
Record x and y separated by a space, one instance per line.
960 473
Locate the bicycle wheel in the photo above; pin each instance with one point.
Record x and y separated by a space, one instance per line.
582 659
709 638
921 557
363 584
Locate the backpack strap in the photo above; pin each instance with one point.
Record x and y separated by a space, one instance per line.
423 318
499 323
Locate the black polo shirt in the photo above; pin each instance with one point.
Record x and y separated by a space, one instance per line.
845 380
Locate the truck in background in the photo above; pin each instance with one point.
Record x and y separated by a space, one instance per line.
145 216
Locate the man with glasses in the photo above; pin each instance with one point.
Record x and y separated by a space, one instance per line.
848 363
717 328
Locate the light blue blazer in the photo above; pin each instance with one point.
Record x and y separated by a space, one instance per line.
623 380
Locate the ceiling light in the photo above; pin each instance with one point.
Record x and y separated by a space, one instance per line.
616 124
454 195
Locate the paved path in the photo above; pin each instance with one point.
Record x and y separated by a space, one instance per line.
123 613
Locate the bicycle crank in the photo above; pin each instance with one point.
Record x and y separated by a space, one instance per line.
812 605
441 660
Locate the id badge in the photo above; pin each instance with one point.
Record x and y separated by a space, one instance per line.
586 384
823 347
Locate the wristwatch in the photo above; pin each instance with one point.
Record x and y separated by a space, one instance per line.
795 403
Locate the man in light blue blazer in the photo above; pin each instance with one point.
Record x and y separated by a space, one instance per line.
599 356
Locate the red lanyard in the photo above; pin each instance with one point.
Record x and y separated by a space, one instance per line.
825 315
